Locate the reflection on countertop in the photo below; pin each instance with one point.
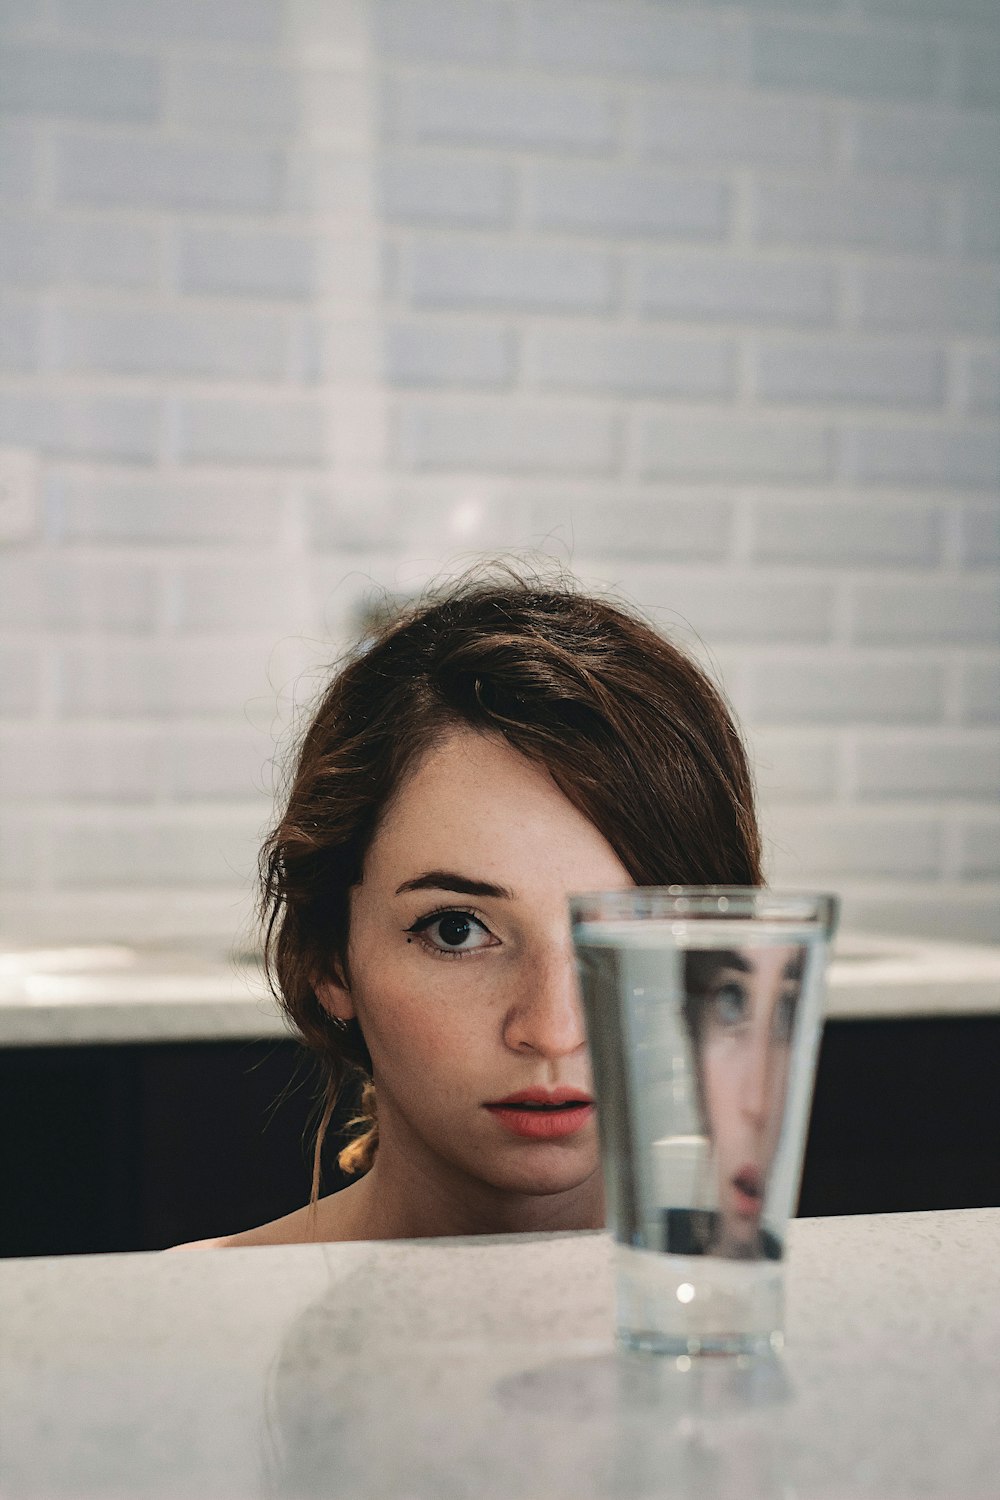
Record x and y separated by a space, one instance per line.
448 1368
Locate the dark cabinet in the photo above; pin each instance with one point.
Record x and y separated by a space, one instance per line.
109 1148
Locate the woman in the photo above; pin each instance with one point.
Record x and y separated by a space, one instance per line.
740 1007
498 747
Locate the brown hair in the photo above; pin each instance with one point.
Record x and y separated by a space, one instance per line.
630 729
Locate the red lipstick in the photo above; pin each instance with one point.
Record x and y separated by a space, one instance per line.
748 1191
543 1114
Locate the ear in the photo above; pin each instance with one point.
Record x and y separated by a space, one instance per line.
334 996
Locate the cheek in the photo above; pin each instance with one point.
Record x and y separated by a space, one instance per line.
417 1027
779 1087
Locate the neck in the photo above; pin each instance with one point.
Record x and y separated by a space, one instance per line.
412 1195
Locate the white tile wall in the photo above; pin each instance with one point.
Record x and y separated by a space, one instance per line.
869 63
508 436
734 130
812 371
40 249
979 856
298 299
634 364
517 276
450 30
81 83
141 170
892 766
68 422
646 39
797 765
247 23
982 385
678 444
842 688
908 140
747 290
491 110
867 531
928 454
874 214
980 691
979 223
897 612
258 262
444 189
904 296
137 508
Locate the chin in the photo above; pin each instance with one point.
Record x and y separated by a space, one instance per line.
539 1180
740 1237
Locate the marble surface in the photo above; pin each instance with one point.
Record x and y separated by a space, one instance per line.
122 993
486 1368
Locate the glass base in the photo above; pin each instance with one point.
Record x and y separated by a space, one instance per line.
646 1341
694 1305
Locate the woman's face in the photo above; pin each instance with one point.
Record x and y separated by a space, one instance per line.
462 973
747 1019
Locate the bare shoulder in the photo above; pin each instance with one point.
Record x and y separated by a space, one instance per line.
293 1229
331 1219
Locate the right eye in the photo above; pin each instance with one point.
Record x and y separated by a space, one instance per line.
729 1004
453 933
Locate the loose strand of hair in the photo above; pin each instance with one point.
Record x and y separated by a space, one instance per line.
332 1090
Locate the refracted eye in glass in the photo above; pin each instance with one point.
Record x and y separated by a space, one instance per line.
452 933
730 1005
729 1012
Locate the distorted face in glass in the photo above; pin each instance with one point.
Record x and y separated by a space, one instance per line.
741 1008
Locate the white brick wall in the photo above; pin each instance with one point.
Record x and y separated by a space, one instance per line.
738 289
39 249
498 111
734 130
140 170
516 276
900 297
83 83
256 262
296 300
508 437
980 692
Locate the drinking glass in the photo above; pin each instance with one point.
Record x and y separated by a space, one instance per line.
704 1010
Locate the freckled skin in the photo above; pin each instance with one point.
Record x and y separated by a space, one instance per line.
448 1034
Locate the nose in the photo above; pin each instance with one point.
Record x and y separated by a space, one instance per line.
756 1089
546 1017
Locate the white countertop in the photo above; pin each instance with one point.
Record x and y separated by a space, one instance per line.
486 1368
132 993
124 993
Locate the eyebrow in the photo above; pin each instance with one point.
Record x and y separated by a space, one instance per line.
730 959
448 880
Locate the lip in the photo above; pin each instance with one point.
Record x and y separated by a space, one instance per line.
560 1095
537 1124
748 1191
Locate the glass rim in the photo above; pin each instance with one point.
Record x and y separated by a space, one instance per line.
700 902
